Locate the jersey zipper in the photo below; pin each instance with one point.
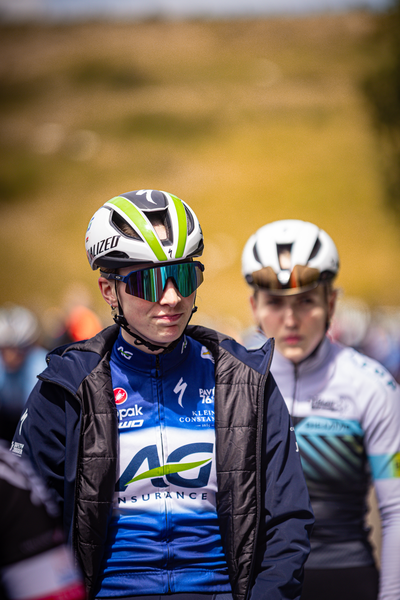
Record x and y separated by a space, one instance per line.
296 380
163 462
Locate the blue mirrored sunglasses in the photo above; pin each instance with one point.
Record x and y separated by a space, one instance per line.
149 283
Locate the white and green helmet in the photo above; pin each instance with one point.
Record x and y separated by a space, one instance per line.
121 232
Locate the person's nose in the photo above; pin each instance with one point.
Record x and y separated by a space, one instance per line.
289 317
170 294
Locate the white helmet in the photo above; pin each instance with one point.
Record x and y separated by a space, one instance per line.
19 327
121 232
289 257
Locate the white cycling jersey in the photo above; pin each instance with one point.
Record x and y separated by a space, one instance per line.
346 412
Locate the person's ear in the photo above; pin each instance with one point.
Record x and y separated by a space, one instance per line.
107 289
253 304
332 297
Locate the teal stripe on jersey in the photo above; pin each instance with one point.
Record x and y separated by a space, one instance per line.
385 466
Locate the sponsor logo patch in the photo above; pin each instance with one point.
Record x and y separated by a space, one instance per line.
180 390
125 353
126 417
205 353
161 475
207 396
120 395
104 245
17 448
331 404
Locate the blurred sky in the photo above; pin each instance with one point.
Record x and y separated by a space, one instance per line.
23 9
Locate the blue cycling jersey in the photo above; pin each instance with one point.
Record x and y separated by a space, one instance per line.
164 534
15 386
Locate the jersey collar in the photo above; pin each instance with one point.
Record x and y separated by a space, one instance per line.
131 357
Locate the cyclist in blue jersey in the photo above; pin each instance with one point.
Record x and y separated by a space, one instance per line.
22 358
345 408
169 446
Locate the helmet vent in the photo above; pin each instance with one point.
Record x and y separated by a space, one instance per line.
315 250
162 218
284 255
255 254
117 254
189 220
124 227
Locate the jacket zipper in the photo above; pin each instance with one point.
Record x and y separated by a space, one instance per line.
259 429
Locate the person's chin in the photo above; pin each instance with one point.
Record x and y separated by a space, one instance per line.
293 353
170 334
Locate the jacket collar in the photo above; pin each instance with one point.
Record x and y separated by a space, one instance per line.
220 344
69 365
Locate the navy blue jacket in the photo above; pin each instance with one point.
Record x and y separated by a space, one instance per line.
69 430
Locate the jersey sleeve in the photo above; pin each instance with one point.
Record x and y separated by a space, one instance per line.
41 436
381 424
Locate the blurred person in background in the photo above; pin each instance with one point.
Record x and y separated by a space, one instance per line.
345 408
169 446
35 563
21 360
382 343
375 333
80 323
71 321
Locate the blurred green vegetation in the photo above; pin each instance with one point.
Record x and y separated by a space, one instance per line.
101 74
247 120
164 127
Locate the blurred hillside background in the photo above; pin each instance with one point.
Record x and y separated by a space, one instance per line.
249 117
249 120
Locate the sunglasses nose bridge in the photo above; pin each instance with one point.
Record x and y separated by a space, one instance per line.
170 294
179 280
172 281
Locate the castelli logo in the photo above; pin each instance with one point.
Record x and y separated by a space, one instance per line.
120 395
